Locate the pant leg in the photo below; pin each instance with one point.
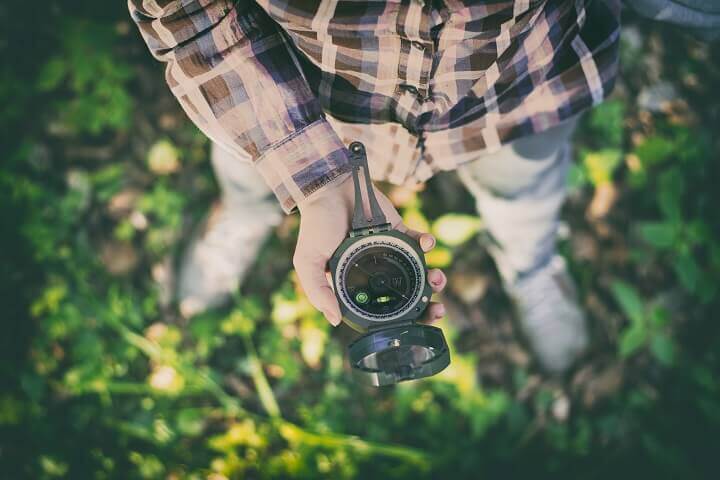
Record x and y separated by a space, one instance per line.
519 191
701 17
238 179
223 250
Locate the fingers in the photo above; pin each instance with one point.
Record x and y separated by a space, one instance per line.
315 283
437 280
426 240
434 312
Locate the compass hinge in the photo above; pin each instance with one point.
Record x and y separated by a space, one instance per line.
359 232
395 324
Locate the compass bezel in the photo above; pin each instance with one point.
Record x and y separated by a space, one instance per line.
404 244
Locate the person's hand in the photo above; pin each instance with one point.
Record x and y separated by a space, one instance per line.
324 223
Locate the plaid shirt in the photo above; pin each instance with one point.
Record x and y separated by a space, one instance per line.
437 82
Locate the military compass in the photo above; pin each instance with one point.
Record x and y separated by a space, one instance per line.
380 281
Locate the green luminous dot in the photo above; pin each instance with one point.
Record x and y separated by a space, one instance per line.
362 297
383 299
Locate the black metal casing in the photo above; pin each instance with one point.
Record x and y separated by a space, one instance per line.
399 339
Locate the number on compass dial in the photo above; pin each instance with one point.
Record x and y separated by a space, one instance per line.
380 280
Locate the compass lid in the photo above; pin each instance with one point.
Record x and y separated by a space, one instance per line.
392 355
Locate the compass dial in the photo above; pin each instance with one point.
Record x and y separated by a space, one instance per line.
380 279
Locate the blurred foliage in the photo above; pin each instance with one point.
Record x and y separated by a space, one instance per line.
103 179
88 83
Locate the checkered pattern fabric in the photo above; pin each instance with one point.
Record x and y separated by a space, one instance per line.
286 84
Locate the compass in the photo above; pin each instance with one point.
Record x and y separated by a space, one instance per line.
380 280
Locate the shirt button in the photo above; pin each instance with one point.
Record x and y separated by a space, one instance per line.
418 45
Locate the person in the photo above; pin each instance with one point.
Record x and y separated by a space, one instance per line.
492 90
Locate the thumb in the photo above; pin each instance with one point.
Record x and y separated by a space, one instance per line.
315 284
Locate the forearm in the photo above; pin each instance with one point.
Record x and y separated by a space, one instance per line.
239 81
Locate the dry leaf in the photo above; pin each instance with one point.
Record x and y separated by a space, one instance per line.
163 158
603 200
119 258
123 202
468 287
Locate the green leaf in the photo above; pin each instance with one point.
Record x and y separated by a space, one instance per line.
698 232
237 323
663 349
658 234
455 229
671 189
629 300
632 339
687 270
655 150
439 257
638 178
577 177
11 410
313 339
262 386
191 421
606 122
51 75
414 219
52 467
601 165
659 317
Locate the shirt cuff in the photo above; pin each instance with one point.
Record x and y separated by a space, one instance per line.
303 164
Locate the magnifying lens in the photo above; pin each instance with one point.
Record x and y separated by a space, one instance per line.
380 280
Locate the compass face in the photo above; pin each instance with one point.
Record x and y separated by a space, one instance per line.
380 278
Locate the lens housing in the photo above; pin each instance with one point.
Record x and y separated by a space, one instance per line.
391 355
407 256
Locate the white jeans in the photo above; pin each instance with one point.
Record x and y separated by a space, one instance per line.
518 190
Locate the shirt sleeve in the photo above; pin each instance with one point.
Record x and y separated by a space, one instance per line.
237 77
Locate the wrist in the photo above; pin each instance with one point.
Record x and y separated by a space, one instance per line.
338 194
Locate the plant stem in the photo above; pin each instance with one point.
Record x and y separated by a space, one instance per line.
289 431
